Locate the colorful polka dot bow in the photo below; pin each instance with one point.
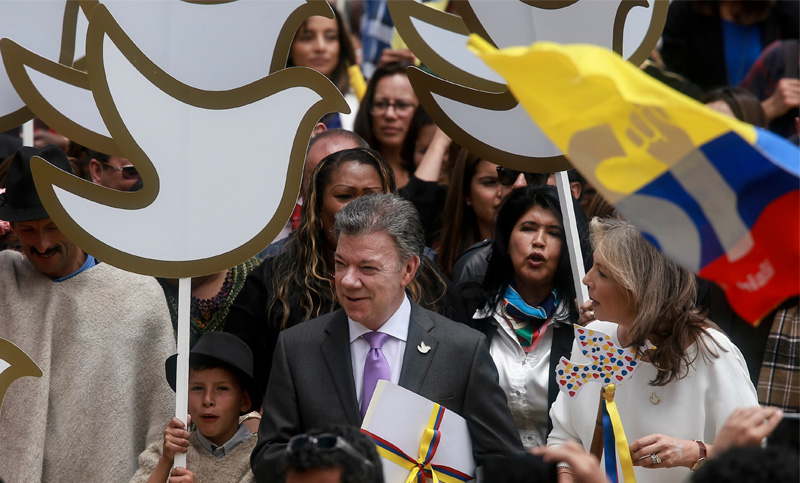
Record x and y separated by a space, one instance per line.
611 364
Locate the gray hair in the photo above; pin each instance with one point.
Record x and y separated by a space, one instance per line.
386 213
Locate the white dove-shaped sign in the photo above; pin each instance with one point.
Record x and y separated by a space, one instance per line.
221 160
471 103
53 38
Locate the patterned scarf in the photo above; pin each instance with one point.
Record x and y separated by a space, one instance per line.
528 322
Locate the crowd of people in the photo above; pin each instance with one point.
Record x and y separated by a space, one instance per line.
411 259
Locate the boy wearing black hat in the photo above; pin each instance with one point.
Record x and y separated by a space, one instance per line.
221 388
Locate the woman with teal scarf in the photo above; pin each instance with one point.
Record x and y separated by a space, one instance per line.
528 304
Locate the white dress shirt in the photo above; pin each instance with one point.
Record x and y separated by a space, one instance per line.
524 377
393 348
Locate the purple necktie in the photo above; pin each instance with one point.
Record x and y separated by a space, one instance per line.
376 367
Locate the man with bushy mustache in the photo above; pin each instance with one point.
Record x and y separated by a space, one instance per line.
100 336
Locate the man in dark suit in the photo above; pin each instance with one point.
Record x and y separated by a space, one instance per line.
323 370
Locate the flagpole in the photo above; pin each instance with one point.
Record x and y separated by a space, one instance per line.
182 365
571 232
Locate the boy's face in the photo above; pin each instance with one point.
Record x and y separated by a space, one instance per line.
215 401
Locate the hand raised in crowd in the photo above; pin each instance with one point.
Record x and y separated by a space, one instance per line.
42 138
660 451
747 427
181 475
176 439
584 467
430 167
587 314
396 55
785 97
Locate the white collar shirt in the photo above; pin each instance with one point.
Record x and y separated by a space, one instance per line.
242 434
524 377
393 348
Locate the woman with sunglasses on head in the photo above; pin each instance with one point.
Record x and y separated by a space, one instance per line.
477 187
472 199
526 306
298 284
677 400
385 116
338 454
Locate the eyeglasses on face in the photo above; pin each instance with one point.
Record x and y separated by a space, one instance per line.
325 442
380 107
128 171
508 176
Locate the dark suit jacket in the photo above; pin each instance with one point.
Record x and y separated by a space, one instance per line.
311 385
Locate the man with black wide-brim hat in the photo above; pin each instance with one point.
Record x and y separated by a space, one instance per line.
52 253
100 336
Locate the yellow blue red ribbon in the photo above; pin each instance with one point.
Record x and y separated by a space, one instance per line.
614 433
421 469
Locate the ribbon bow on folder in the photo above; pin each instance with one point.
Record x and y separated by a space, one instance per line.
417 439
421 469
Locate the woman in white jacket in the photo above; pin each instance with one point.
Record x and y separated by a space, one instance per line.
675 402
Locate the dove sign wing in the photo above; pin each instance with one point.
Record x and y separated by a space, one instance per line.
213 44
53 38
59 95
14 363
231 160
473 105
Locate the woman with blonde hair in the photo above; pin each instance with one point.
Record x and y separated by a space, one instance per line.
677 399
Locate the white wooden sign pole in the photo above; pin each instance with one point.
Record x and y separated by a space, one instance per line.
571 233
27 133
182 365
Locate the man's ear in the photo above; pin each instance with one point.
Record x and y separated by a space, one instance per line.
95 170
320 127
410 269
575 188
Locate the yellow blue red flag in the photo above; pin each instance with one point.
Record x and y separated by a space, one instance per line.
718 196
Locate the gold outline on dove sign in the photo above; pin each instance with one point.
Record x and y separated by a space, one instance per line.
280 54
460 86
16 59
647 45
404 11
66 54
20 365
425 85
47 177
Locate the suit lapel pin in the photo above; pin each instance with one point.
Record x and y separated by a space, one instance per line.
423 348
